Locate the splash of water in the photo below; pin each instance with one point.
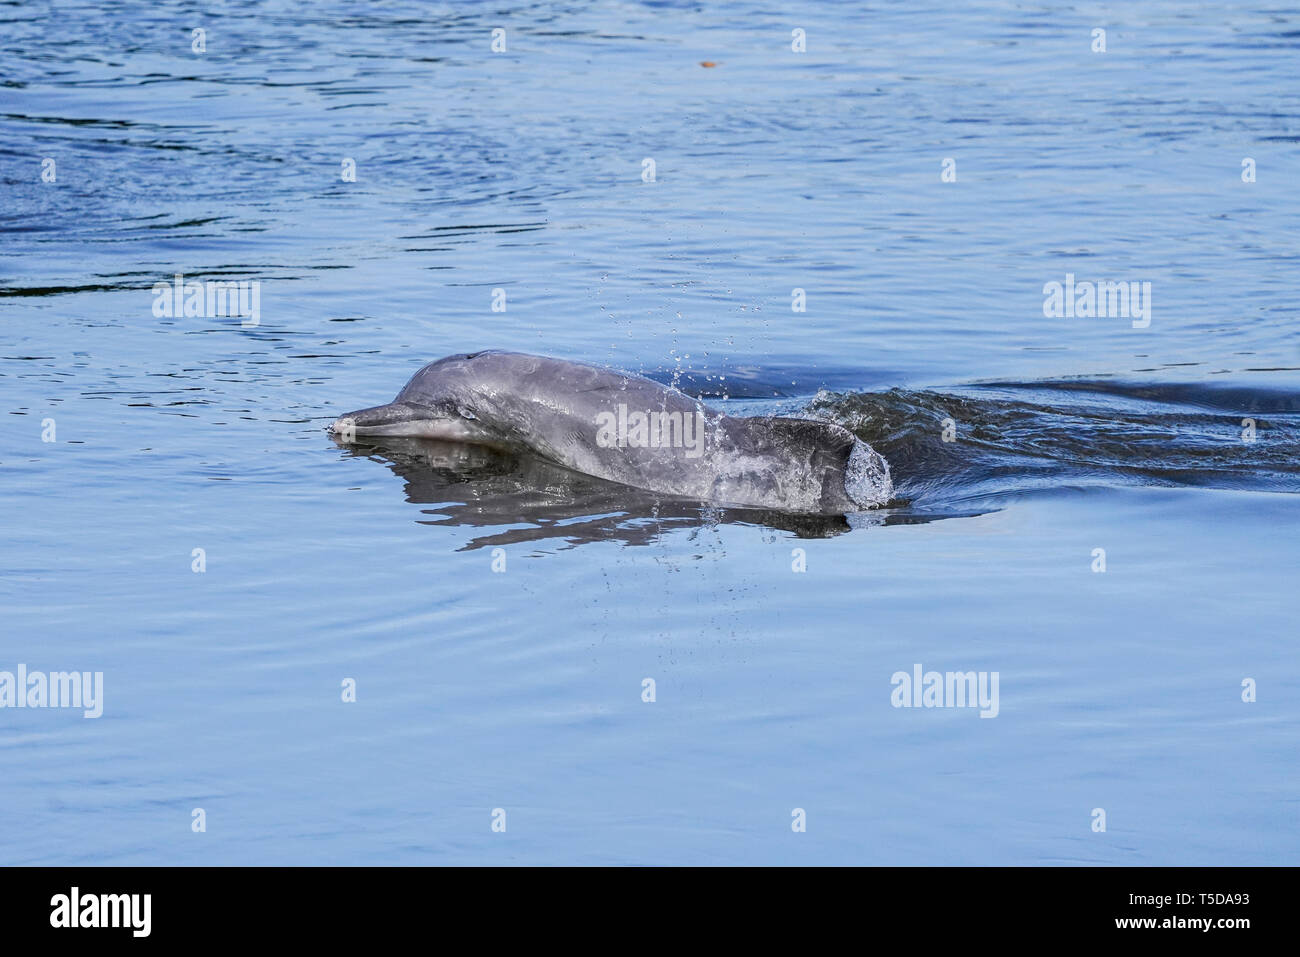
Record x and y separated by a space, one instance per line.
866 479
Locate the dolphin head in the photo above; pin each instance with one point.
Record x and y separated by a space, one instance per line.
435 404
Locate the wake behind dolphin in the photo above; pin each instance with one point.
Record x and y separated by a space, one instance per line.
631 430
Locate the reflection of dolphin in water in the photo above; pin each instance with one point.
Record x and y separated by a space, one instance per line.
630 430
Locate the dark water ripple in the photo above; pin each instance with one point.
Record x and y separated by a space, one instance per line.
1009 437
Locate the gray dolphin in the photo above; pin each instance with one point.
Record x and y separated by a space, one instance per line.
629 429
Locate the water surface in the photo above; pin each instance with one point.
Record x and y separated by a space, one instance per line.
521 689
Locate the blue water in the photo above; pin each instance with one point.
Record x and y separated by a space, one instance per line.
521 689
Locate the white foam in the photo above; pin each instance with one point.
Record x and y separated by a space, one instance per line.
866 478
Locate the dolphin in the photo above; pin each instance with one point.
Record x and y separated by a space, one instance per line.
630 430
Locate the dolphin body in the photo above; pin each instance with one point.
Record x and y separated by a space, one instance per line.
631 430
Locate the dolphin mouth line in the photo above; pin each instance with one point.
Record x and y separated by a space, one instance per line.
409 420
346 426
394 418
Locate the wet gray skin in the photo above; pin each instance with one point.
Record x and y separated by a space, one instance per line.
584 418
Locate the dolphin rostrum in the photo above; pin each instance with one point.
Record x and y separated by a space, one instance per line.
631 430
